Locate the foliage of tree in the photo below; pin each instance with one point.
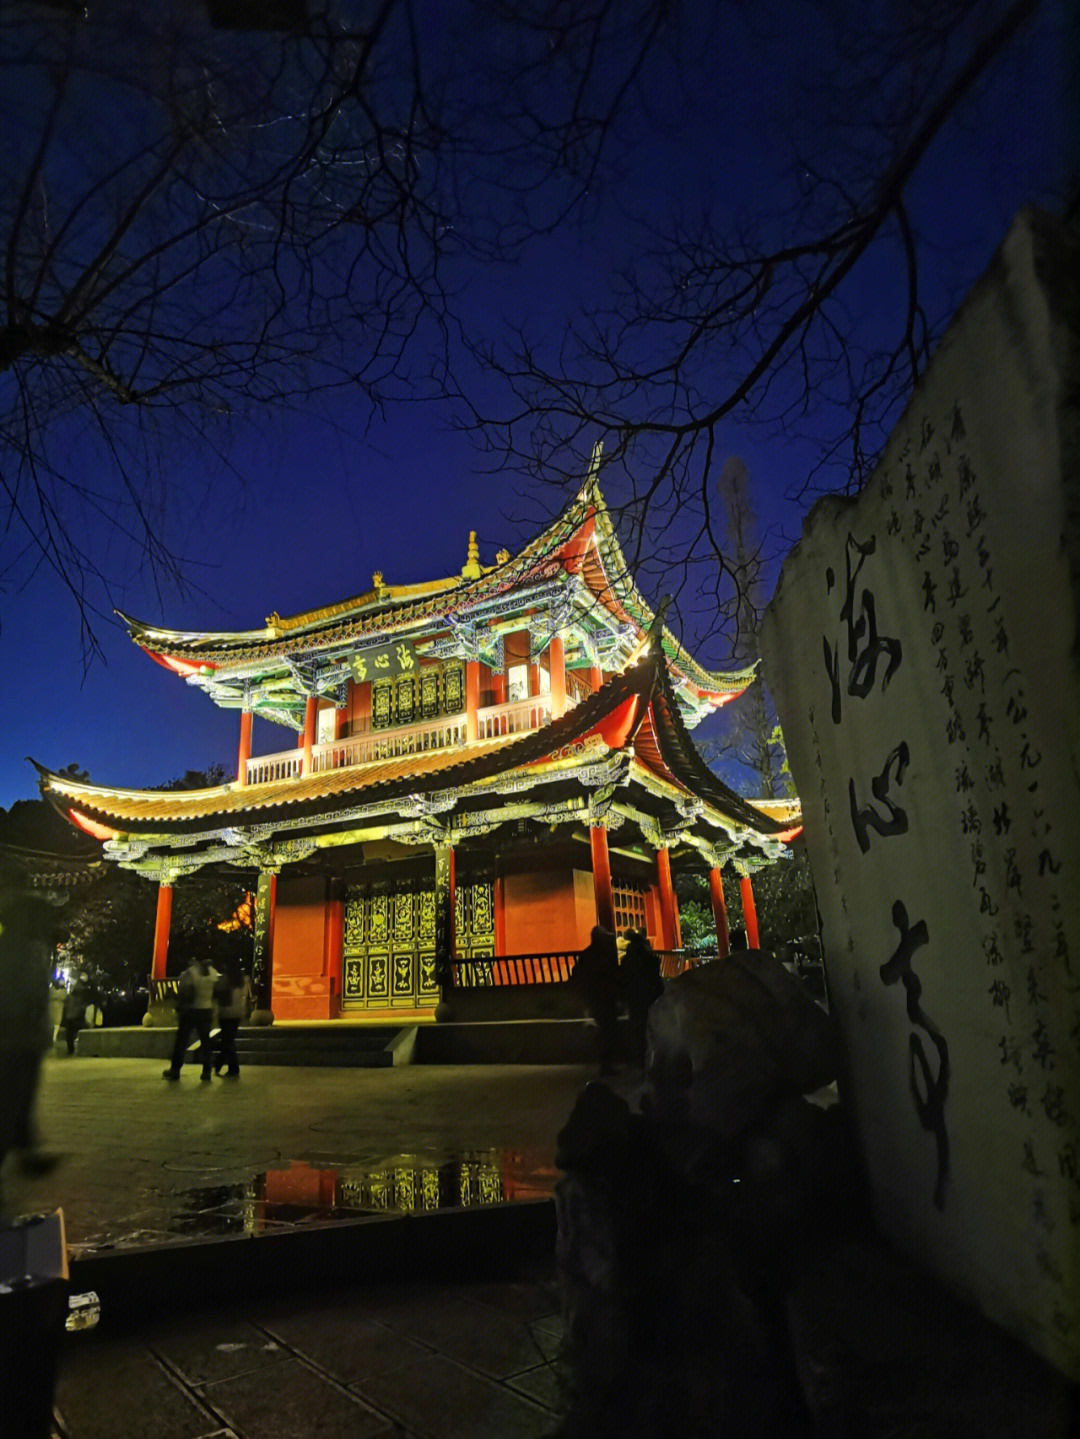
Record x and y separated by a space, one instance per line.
783 897
110 926
108 923
696 925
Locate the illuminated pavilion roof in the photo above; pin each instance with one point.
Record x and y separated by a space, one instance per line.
572 579
626 742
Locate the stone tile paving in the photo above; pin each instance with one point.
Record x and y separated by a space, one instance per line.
416 1360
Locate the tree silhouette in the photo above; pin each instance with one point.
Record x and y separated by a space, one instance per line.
211 210
722 318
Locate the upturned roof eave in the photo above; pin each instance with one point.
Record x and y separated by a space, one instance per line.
680 756
622 594
387 602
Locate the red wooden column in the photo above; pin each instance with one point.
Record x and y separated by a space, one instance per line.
557 672
596 677
534 679
746 894
334 935
601 870
669 934
311 709
162 921
719 909
498 686
472 698
244 753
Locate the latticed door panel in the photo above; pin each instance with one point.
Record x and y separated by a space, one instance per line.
427 979
389 956
629 907
474 927
389 949
474 920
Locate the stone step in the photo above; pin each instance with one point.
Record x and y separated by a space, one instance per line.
326 1058
343 1038
347 1046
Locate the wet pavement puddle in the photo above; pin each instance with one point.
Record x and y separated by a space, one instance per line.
302 1194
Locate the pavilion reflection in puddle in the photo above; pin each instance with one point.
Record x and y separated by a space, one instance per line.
304 1194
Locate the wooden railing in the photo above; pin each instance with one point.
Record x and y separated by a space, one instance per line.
514 969
554 968
677 961
444 732
275 766
517 717
163 991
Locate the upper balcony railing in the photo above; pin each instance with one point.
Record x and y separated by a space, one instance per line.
443 732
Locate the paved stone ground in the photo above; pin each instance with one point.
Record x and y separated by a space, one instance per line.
469 1361
144 1160
139 1156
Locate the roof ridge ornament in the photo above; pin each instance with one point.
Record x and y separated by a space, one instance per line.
471 569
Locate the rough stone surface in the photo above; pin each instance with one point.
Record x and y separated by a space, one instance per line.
727 1038
645 1255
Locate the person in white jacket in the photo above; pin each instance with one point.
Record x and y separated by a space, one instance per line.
195 1015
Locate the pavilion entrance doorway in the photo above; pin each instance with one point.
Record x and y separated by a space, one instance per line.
389 956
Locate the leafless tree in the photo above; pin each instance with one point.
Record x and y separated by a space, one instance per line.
748 736
209 208
718 321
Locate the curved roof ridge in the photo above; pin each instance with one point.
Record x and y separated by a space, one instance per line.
74 789
622 587
141 631
681 757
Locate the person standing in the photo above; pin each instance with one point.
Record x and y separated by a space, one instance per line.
235 1001
597 974
27 924
642 986
79 997
195 1015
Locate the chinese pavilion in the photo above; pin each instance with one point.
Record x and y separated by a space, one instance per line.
485 766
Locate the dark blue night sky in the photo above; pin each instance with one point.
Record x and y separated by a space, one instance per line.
325 494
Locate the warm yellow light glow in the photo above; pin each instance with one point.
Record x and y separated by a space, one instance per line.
91 826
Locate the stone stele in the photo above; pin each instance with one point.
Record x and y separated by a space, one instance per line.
922 647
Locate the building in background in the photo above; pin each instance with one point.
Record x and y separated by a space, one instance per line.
485 766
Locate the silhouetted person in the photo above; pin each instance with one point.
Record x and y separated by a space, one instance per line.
195 1015
597 974
738 940
76 1001
27 921
641 986
235 999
